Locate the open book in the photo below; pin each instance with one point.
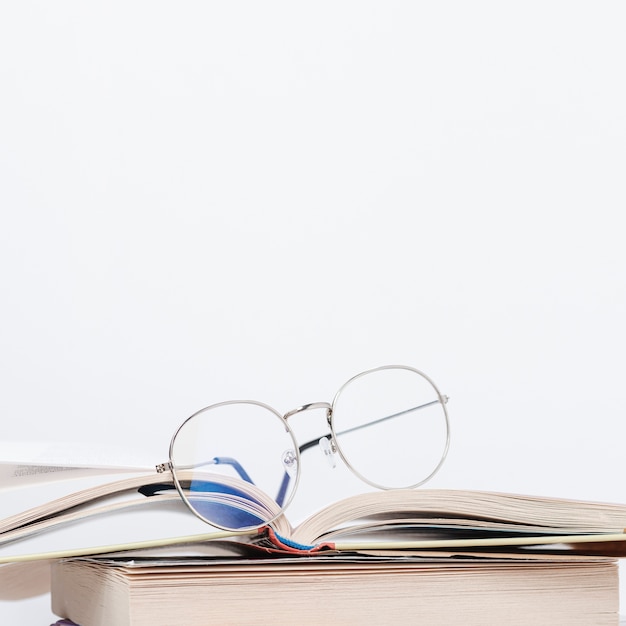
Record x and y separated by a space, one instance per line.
395 520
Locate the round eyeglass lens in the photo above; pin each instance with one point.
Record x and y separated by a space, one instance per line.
235 464
391 427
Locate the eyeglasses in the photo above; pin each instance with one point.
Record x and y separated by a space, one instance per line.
236 464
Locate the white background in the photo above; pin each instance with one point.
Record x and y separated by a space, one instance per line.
206 201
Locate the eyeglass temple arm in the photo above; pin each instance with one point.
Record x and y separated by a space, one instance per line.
219 460
151 490
313 442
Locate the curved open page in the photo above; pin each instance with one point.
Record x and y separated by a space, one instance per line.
539 514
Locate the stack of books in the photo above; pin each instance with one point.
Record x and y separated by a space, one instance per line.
422 556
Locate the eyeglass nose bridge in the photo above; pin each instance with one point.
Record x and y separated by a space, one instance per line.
310 406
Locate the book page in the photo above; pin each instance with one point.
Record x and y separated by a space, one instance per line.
27 463
546 515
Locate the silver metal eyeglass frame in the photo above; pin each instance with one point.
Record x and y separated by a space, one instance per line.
335 446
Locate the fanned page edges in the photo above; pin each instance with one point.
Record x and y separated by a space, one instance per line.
54 512
541 514
125 494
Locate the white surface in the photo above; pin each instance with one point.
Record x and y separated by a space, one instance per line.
206 202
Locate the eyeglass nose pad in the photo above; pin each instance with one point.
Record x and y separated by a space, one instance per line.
328 448
290 462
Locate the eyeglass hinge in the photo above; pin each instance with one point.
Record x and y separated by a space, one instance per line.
163 467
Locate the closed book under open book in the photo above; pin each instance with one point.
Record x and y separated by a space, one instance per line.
427 590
